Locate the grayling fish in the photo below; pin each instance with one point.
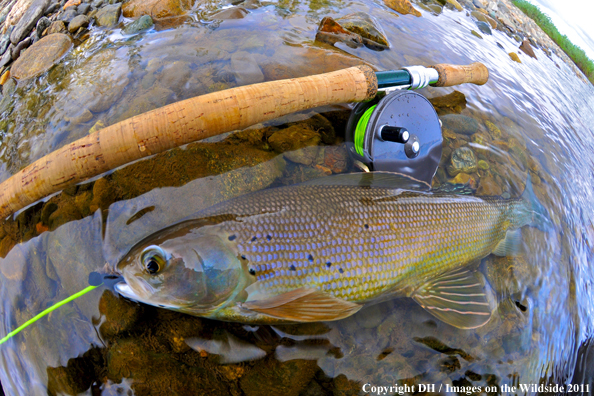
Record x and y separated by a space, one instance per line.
321 250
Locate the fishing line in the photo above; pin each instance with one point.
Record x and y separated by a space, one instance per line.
47 311
361 128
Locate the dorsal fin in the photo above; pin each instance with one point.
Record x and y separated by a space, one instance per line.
303 305
372 179
458 298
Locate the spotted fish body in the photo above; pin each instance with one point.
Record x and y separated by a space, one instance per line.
317 245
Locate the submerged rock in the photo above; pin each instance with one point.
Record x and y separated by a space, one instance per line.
78 22
514 57
331 32
143 23
460 124
403 7
476 34
365 26
454 102
230 13
28 21
293 138
41 56
108 15
462 160
246 69
155 8
484 27
527 49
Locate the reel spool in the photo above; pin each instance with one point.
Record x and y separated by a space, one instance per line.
397 133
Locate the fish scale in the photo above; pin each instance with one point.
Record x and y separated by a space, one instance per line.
357 243
323 249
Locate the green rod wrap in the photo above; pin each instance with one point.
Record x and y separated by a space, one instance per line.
360 130
50 309
392 78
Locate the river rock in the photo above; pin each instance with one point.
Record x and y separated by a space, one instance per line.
7 57
230 13
293 138
365 26
143 23
102 82
453 102
108 15
78 22
155 8
462 160
514 57
71 3
331 32
484 27
403 7
246 69
41 56
52 8
4 43
4 77
525 48
84 8
456 5
16 52
56 27
68 15
42 24
28 21
476 34
460 123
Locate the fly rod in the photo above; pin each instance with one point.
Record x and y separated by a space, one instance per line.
208 115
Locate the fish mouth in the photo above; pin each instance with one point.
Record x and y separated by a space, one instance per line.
125 290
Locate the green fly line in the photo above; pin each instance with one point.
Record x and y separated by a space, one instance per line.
360 130
50 309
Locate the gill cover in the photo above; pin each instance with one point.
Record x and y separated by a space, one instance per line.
185 266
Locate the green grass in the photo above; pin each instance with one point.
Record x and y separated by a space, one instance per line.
574 52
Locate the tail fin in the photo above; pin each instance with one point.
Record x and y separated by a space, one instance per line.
537 214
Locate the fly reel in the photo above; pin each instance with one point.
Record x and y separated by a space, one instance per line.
397 133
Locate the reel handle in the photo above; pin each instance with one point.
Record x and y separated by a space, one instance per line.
450 75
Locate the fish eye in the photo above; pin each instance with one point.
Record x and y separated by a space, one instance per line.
153 259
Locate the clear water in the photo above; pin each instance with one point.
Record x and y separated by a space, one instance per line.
101 344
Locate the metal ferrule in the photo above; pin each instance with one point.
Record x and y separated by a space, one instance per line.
421 76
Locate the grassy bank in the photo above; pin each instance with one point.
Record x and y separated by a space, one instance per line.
575 53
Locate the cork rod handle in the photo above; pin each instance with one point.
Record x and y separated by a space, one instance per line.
450 75
178 124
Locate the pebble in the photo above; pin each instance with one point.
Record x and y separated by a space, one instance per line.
28 20
143 23
41 56
84 8
7 57
78 22
527 49
514 57
56 27
42 24
402 7
460 123
230 13
4 43
484 27
108 15
68 15
16 52
462 160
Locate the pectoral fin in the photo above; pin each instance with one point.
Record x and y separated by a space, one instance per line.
510 245
458 298
303 305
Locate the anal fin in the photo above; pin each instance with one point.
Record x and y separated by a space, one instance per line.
510 245
303 305
459 298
